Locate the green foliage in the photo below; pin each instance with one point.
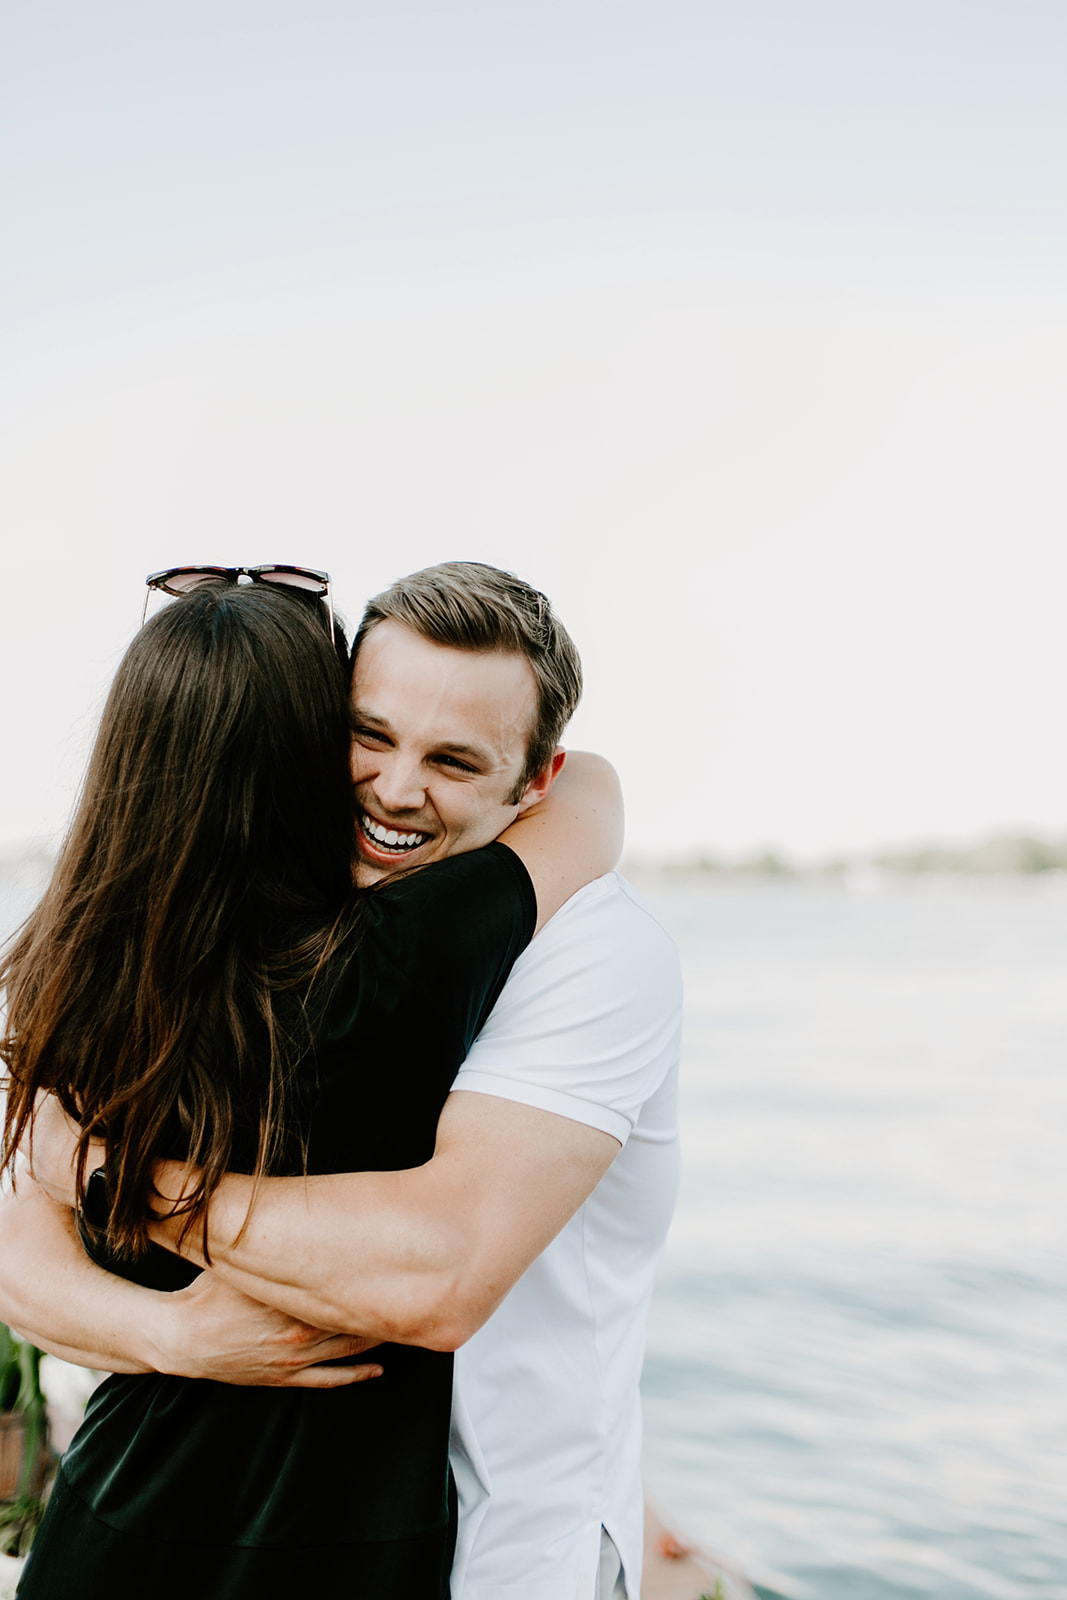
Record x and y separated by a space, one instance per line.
10 1374
19 1521
20 1390
20 1373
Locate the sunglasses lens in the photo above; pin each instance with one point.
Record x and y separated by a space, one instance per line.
295 580
182 582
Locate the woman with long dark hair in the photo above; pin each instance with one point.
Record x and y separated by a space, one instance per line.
200 980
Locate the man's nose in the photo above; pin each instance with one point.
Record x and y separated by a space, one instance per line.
398 783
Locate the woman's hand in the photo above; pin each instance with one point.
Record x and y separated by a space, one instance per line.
51 1147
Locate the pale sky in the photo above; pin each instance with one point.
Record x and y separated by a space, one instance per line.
742 331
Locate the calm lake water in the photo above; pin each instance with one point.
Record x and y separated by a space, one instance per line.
855 1386
855 1381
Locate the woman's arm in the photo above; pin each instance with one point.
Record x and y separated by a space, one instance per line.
574 834
51 1293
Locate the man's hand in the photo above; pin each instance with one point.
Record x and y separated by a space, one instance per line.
211 1330
50 1148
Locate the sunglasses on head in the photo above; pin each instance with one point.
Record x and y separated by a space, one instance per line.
179 580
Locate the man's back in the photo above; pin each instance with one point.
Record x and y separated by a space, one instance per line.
547 1425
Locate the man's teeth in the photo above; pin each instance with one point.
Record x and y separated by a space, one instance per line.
389 836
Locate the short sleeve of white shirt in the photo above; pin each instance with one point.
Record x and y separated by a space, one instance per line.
588 1020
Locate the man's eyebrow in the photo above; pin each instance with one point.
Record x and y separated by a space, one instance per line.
362 714
475 751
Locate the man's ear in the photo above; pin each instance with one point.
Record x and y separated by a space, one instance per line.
539 786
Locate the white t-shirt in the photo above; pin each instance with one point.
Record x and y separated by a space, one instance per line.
546 1432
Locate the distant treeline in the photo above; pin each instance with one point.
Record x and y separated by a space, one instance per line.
1001 855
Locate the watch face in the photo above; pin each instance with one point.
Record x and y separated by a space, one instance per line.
97 1207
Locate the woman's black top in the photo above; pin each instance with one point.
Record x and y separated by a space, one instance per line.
227 1470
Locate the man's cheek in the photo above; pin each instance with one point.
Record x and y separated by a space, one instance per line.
357 763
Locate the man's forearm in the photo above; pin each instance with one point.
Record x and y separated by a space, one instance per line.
416 1257
365 1253
53 1294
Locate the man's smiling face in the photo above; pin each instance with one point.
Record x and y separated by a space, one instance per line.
440 739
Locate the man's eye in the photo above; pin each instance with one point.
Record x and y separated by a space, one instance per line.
456 764
369 736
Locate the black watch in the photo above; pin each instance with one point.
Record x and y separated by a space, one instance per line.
96 1207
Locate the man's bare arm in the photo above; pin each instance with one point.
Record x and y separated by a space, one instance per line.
53 1294
417 1257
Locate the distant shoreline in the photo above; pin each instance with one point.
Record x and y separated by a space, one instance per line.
999 856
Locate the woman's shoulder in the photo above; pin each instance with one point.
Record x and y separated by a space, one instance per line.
483 897
491 870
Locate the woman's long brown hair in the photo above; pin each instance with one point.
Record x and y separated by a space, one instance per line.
160 988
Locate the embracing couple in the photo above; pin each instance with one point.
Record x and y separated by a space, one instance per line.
293 1144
